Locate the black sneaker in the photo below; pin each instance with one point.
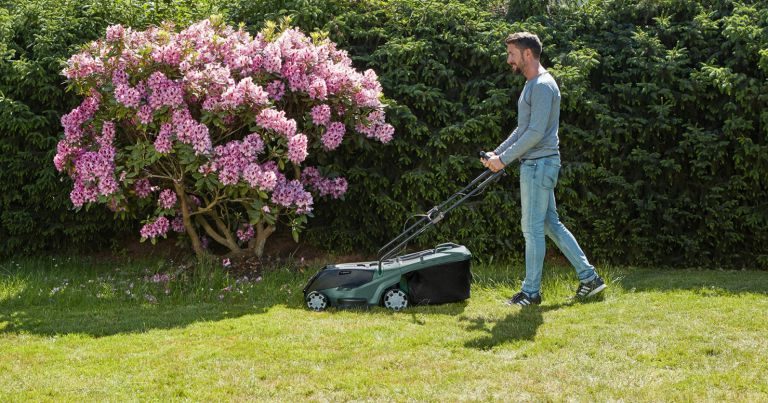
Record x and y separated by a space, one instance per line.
523 299
591 288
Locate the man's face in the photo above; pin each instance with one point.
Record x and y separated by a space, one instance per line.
515 58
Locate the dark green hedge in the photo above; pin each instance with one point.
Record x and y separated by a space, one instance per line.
664 124
663 133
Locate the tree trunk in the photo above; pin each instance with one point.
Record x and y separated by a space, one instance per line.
231 241
262 233
225 240
188 226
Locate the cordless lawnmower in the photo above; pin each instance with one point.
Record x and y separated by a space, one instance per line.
432 276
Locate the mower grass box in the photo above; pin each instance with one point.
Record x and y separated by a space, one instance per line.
432 276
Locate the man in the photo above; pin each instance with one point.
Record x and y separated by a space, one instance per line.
535 144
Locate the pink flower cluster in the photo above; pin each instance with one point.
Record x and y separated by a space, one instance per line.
164 139
209 81
276 90
169 54
243 93
125 94
177 224
238 159
143 188
167 199
72 145
333 136
261 177
272 119
321 114
164 92
145 114
190 131
323 186
92 164
376 127
154 229
245 233
96 176
83 65
291 194
115 33
297 148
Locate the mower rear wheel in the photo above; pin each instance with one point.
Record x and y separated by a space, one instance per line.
316 301
395 299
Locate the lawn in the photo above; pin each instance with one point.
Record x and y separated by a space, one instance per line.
80 329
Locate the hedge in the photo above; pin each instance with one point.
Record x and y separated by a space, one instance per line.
663 127
663 124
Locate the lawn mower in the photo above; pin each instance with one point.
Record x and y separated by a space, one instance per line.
432 276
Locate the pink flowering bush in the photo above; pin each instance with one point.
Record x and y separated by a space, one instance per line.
213 128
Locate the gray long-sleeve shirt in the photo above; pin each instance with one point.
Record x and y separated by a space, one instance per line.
538 120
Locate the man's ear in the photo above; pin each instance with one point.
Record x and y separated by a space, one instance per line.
528 53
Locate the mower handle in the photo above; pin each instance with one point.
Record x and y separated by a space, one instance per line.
437 213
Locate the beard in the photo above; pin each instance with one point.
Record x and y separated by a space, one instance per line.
518 68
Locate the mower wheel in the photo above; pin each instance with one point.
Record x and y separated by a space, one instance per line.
395 299
316 301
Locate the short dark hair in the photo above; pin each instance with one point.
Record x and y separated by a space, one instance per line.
525 40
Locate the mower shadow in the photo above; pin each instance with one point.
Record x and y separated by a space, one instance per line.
450 309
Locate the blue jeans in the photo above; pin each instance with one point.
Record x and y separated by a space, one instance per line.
539 217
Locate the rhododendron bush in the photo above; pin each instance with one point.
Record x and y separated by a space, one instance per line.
212 129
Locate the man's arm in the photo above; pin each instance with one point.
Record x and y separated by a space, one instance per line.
541 107
506 143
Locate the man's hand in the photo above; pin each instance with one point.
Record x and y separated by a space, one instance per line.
488 154
494 163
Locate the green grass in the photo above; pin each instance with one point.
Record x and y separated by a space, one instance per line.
74 330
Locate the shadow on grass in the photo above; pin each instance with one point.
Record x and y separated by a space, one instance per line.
520 324
77 311
116 319
107 318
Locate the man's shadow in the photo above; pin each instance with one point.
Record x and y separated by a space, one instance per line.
520 324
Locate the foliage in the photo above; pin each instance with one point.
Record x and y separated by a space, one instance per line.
663 126
670 130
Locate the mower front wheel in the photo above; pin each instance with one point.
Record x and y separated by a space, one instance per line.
395 299
316 301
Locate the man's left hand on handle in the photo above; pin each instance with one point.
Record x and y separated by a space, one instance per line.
494 164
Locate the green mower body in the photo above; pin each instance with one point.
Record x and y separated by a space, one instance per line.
431 276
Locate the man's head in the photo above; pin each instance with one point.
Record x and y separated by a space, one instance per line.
522 49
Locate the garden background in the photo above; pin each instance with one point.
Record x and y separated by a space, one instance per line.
664 131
